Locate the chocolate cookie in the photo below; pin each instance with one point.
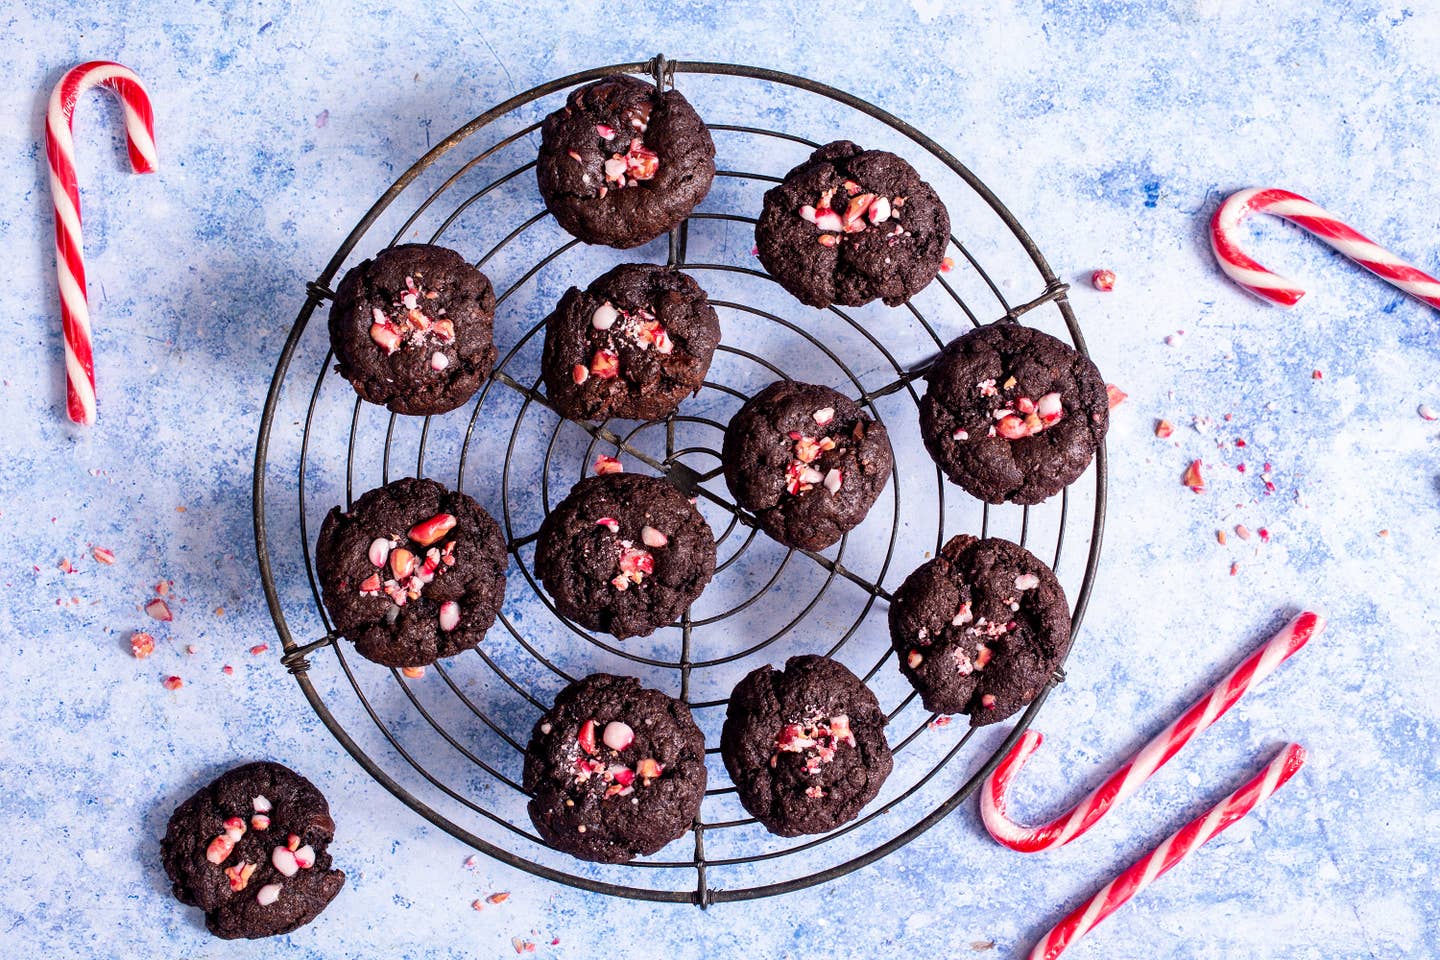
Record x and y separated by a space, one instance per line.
251 850
622 163
850 225
805 746
633 344
807 461
614 771
1013 414
624 553
412 573
980 628
412 329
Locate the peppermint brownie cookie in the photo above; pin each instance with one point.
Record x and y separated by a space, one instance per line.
807 461
633 344
412 573
614 771
251 850
624 553
622 163
1013 414
805 746
980 628
412 329
850 225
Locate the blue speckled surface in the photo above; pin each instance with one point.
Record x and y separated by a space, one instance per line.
1110 130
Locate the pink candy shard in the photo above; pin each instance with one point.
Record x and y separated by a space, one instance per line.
379 551
832 480
604 316
267 894
653 538
160 610
449 615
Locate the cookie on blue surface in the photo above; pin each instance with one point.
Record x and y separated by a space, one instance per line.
633 344
624 553
980 629
412 329
805 746
621 163
251 849
851 225
1012 414
614 770
412 572
807 461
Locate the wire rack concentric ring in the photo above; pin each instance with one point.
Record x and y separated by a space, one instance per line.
450 744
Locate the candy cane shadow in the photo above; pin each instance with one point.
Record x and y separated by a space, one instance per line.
1143 845
1081 787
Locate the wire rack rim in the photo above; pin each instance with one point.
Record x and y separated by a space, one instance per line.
294 654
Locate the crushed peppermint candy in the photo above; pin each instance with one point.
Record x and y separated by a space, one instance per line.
604 465
410 571
141 645
1192 477
103 555
800 476
158 609
1114 395
407 323
268 894
1103 280
860 210
635 565
1164 428
1027 581
173 683
816 739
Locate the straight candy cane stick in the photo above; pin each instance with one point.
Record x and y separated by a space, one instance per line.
1176 848
1139 768
65 195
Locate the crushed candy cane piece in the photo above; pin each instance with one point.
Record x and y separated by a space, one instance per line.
159 610
1164 428
1103 280
1192 478
618 735
102 555
449 615
141 645
268 894
173 683
1115 395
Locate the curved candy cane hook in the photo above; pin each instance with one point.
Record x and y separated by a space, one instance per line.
65 194
1282 203
1139 768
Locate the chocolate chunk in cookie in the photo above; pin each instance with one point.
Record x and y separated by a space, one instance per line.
632 345
622 163
252 851
980 629
412 329
624 553
412 572
1013 414
805 746
850 225
807 461
614 771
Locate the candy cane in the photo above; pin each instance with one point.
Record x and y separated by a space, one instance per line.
1295 208
1139 768
1176 848
65 194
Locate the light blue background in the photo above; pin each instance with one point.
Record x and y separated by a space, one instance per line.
1111 130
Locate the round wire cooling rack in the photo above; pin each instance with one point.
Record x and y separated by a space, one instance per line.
450 743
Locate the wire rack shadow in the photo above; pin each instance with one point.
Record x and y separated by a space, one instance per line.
475 795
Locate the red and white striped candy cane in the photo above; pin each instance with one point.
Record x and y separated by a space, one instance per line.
1282 203
1139 768
1176 848
65 193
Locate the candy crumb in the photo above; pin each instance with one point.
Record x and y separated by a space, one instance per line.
1427 412
173 683
500 897
1234 569
1115 395
258 649
1103 280
947 264
1317 375
414 673
141 645
1163 428
1220 536
1192 478
227 670
102 555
